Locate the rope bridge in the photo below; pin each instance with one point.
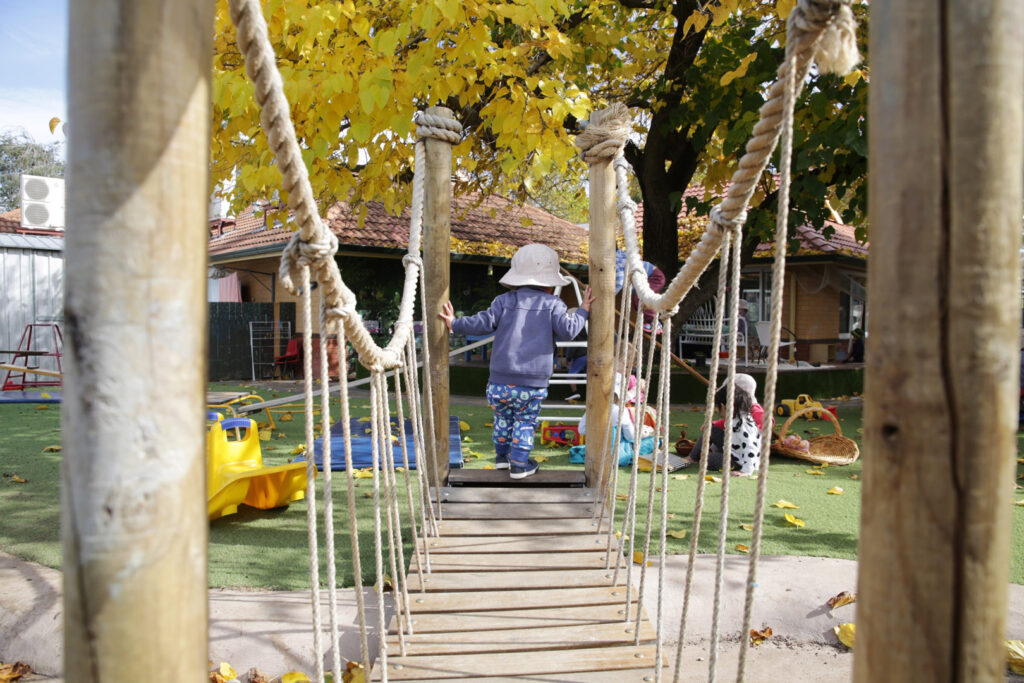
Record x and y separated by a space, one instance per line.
526 580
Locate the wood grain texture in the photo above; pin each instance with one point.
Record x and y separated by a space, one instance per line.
521 599
520 618
500 580
134 527
945 194
519 544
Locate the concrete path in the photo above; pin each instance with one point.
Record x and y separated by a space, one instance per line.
271 630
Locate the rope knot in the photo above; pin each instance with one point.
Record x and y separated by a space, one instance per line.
605 134
831 24
626 204
443 128
722 224
412 259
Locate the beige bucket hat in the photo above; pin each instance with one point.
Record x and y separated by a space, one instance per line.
534 264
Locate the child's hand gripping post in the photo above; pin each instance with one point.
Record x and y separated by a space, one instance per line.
588 298
447 314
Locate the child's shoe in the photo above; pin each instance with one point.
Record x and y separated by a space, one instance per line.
520 471
501 462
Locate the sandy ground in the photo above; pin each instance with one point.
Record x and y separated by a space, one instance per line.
271 630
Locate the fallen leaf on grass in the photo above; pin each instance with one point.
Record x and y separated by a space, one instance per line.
680 477
52 449
758 637
464 426
262 425
360 474
18 480
835 491
840 599
367 495
42 407
264 436
638 558
790 519
1014 656
712 478
541 458
1020 502
846 633
681 533
855 477
12 672
747 527
785 505
670 515
488 424
488 467
817 472
742 548
621 496
301 448
287 417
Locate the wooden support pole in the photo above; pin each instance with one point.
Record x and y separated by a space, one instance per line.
601 339
437 199
134 524
942 356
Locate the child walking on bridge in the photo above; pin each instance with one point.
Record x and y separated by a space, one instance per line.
525 322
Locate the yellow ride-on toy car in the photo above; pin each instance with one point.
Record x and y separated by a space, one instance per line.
791 405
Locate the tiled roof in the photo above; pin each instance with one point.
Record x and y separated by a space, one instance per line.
10 222
492 227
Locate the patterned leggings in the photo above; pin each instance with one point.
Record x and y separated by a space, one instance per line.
515 416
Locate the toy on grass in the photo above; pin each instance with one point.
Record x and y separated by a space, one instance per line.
235 473
561 434
789 406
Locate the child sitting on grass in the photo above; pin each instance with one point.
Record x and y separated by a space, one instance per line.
746 431
525 323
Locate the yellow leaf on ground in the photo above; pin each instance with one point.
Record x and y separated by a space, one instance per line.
362 475
785 505
45 395
287 417
278 435
301 448
712 478
840 599
742 548
670 515
488 467
18 480
488 424
463 425
52 449
264 436
295 677
1015 655
836 491
680 477
817 472
794 520
681 533
363 419
758 637
638 558
541 458
846 634
13 672
226 671
747 527
354 673
42 407
621 496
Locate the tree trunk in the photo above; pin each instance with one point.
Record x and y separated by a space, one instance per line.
942 359
134 523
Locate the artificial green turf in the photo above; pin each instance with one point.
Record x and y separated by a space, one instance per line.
267 549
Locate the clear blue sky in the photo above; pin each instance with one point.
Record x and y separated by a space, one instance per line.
33 65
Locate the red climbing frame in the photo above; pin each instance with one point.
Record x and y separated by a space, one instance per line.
33 346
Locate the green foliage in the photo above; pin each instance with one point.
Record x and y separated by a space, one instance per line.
20 154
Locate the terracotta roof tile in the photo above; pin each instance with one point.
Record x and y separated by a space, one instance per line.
490 227
10 221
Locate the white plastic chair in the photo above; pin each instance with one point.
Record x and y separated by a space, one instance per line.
764 331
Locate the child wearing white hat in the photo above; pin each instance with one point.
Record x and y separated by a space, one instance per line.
525 322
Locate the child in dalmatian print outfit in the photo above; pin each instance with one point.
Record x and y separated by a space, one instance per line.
525 322
746 431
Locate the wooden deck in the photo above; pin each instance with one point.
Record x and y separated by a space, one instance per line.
518 591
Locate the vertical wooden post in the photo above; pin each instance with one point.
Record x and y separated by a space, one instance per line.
437 198
942 357
134 524
601 340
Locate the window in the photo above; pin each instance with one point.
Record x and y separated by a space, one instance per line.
756 290
853 297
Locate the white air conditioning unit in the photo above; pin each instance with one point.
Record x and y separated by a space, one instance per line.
42 202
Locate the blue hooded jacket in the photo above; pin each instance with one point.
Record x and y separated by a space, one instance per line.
525 323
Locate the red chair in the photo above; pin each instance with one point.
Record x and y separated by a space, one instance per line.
290 358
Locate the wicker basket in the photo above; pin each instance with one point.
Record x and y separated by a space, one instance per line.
831 449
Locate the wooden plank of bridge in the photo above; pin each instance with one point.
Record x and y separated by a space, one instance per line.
500 478
520 589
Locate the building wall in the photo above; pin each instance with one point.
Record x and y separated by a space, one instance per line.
811 311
